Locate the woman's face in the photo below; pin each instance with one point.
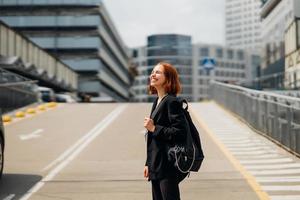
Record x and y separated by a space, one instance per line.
157 77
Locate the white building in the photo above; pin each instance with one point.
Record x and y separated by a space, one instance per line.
292 53
229 65
276 16
242 24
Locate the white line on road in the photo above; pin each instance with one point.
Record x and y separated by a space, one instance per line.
97 130
280 179
281 187
240 149
34 134
285 197
274 166
252 153
9 197
275 172
263 156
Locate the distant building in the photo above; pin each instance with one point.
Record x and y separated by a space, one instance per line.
172 48
242 24
196 64
229 65
276 15
82 35
292 53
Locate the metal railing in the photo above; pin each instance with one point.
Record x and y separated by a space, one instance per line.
276 116
16 91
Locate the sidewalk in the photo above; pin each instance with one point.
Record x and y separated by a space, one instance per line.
220 177
264 170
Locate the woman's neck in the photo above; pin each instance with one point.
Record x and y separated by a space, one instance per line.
161 93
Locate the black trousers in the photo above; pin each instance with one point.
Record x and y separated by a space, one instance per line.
165 189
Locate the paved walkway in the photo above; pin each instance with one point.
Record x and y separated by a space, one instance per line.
267 168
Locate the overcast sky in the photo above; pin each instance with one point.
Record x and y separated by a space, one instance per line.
136 19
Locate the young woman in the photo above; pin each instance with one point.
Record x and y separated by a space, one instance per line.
166 126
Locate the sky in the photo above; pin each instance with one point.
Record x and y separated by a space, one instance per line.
136 19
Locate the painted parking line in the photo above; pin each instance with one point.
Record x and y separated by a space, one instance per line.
68 157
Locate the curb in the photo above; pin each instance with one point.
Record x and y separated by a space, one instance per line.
27 111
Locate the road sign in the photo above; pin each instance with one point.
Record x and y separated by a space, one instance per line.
208 63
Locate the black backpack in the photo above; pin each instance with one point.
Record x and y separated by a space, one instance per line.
187 156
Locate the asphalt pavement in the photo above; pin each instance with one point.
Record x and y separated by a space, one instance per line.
97 151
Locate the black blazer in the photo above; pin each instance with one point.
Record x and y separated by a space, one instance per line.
170 128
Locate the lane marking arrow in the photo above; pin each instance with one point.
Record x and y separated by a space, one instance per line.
32 135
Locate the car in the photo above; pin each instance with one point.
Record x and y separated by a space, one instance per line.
64 97
46 94
2 144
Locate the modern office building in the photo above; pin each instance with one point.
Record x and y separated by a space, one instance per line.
196 64
276 16
171 48
80 33
242 24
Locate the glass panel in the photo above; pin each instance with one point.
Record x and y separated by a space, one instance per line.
219 53
204 52
240 55
84 65
68 42
229 54
52 20
298 32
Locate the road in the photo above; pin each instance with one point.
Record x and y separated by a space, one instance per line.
97 151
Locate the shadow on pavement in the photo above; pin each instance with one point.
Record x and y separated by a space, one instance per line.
13 186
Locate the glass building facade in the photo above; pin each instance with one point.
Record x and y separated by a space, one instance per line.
171 48
82 35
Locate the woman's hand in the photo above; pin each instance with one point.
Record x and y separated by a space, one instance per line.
149 124
146 172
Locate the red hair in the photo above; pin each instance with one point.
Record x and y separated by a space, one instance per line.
172 84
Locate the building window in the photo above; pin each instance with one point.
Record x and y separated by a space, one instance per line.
219 53
135 53
229 54
204 52
240 55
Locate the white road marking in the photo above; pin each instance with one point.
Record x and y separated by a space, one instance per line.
275 172
281 187
263 156
280 179
97 130
239 149
285 197
269 161
253 153
9 197
32 135
274 166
